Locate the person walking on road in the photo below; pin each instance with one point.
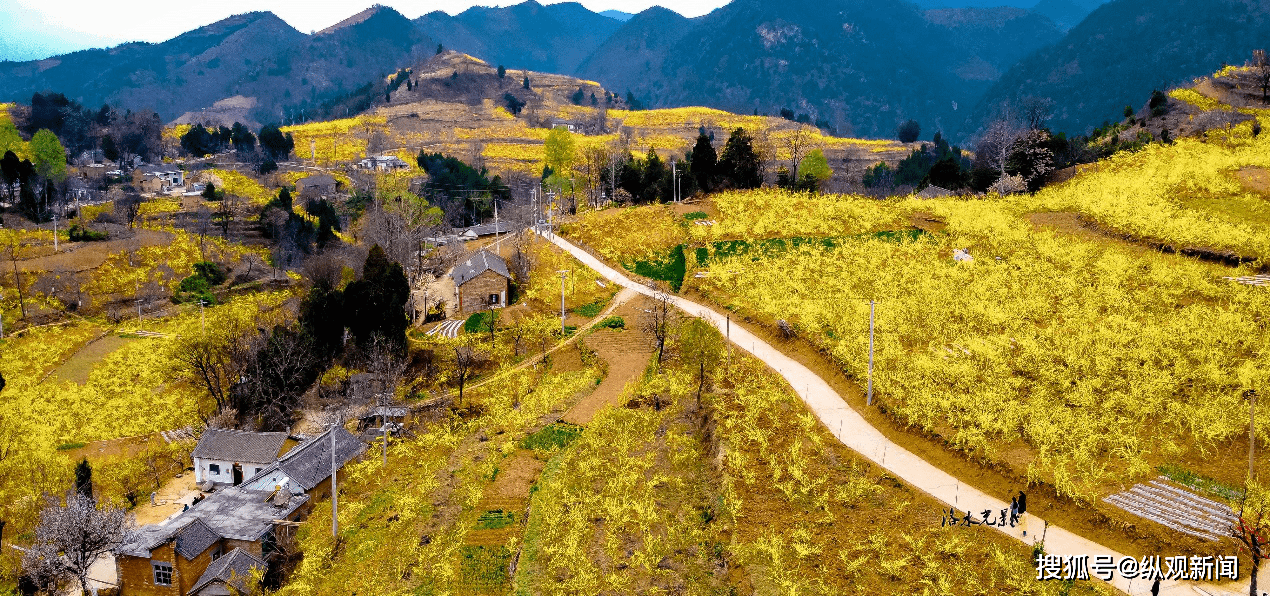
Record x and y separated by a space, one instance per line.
1022 507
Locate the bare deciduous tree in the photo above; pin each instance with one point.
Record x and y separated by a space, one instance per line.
1260 65
659 320
400 230
702 349
70 538
466 361
798 143
595 158
12 253
279 368
1036 111
520 265
129 207
1250 529
383 360
214 360
994 146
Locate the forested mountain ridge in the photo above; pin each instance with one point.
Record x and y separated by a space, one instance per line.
552 38
1127 48
851 67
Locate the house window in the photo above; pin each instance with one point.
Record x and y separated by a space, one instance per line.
162 573
217 553
213 469
493 298
256 472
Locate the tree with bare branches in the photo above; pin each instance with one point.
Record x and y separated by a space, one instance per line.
12 252
1260 66
798 143
1036 111
997 141
129 207
71 537
701 348
659 320
466 362
280 367
215 359
1250 528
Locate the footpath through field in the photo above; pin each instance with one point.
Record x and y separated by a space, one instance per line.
855 432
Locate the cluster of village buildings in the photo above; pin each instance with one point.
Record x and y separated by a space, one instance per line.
168 179
252 493
253 489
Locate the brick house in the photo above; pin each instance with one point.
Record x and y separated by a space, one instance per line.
180 556
481 281
230 456
214 545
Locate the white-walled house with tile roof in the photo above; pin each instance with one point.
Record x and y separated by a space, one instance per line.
230 456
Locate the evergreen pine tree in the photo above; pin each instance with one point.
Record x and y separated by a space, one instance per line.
376 303
84 478
704 162
739 164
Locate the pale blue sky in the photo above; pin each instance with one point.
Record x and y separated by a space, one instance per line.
33 29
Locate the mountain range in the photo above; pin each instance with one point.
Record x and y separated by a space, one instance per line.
854 66
1126 48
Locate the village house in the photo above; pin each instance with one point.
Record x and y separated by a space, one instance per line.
160 178
482 230
316 186
213 546
230 456
306 468
182 556
481 281
383 163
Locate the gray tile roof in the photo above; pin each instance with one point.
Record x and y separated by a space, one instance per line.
309 463
234 568
477 264
232 513
489 229
239 514
239 446
146 539
195 538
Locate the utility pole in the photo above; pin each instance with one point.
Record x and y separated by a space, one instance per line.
202 315
1251 396
729 327
563 273
386 431
55 231
869 398
335 518
674 180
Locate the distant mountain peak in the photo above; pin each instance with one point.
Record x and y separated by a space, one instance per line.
361 17
619 15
